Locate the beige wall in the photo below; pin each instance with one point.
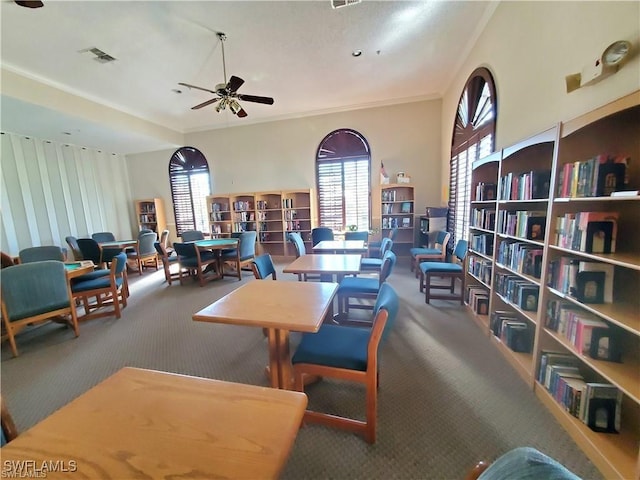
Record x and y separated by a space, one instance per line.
530 47
281 155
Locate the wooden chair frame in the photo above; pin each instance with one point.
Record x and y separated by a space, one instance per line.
343 298
368 378
238 262
111 295
426 285
163 255
205 269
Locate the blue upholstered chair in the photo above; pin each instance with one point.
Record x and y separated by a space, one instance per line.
164 240
375 264
33 292
298 243
451 270
375 247
244 254
436 254
201 264
102 237
319 234
192 236
262 267
348 353
90 250
144 253
167 260
39 254
360 235
75 248
364 287
111 290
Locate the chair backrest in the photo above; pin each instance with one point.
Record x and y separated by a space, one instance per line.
385 246
360 235
145 243
164 238
30 289
161 250
7 260
296 239
393 233
90 250
460 251
75 249
442 239
388 262
185 250
388 300
247 244
119 263
192 236
39 254
143 231
262 267
103 237
319 234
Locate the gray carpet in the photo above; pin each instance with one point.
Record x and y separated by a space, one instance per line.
447 397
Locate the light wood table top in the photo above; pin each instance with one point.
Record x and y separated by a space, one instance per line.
75 269
217 243
118 244
340 246
280 307
148 424
338 264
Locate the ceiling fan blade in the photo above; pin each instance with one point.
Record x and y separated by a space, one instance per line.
197 88
204 104
30 4
256 99
234 84
241 113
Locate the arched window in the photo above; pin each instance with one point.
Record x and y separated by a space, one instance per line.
343 172
190 185
473 138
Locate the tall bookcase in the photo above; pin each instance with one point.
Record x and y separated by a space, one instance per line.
529 249
398 210
150 214
272 214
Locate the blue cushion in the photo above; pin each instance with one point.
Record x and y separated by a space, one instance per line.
190 262
371 264
91 275
425 251
359 284
335 346
430 267
96 283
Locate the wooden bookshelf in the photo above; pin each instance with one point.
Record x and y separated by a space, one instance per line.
398 210
611 130
150 215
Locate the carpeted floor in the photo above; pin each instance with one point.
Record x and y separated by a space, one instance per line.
447 397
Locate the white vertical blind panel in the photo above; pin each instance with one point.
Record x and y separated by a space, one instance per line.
47 193
9 238
23 182
55 184
65 190
91 181
82 190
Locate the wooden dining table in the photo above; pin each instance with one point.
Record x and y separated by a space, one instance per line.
118 244
76 269
325 265
340 246
280 307
216 245
149 424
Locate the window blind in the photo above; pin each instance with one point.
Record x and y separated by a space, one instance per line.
190 184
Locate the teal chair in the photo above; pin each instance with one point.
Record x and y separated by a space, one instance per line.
320 234
360 235
39 254
201 264
108 253
452 270
375 247
436 254
244 254
263 267
75 248
102 237
192 236
167 260
144 254
348 353
375 264
32 292
364 287
298 243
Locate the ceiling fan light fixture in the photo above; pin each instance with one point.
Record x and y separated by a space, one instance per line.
235 106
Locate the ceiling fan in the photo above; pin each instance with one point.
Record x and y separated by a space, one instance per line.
227 92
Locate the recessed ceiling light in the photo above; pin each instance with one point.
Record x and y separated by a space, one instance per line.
356 53
175 90
66 133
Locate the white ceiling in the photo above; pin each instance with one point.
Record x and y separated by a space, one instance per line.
298 52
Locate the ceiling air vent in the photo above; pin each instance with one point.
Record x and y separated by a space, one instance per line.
101 56
343 3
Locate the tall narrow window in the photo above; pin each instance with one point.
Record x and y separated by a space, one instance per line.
343 169
473 138
190 185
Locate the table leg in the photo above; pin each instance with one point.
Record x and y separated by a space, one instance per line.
284 360
274 371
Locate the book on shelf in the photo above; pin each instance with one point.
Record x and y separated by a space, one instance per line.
602 409
496 321
602 287
595 177
535 228
486 191
606 344
548 358
405 207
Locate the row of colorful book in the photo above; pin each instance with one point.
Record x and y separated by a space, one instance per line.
483 218
596 404
478 300
590 232
480 268
521 257
482 243
485 192
587 281
533 185
513 332
522 224
518 291
596 177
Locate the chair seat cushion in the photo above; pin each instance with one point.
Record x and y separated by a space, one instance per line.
425 251
104 272
371 264
96 283
335 346
189 262
359 284
430 267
